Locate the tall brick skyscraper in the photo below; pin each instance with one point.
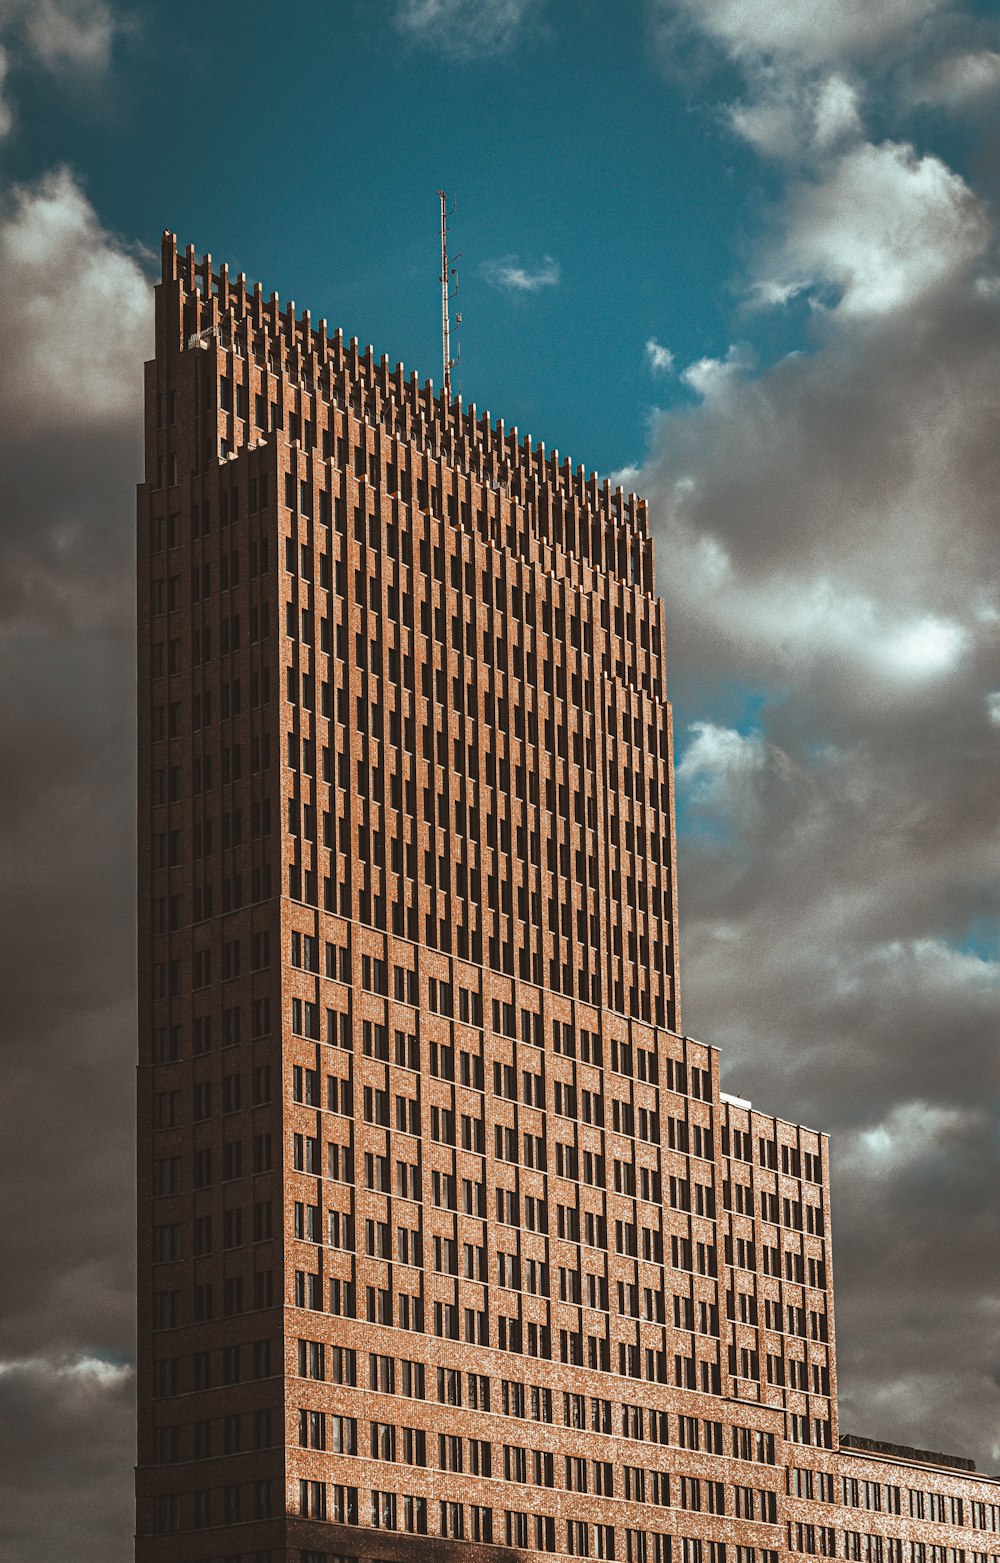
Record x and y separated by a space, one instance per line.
449 1245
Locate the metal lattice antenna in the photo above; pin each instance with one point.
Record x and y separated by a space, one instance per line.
447 362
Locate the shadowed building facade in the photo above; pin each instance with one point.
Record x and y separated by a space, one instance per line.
450 1246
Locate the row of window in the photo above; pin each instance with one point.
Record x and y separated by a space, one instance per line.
568 1041
408 1249
414 419
537 1530
513 1528
232 1504
803 1269
786 1211
639 1484
338 1434
859 1547
296 632
389 1375
400 605
588 1105
235 1433
627 1119
794 1162
391 475
394 461
234 1364
443 1120
888 1498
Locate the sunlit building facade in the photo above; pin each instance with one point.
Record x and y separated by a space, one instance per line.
450 1245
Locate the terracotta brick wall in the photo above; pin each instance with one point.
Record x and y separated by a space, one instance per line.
449 1244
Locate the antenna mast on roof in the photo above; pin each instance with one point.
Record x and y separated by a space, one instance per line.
448 363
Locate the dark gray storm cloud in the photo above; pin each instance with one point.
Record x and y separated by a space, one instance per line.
70 454
65 1440
827 546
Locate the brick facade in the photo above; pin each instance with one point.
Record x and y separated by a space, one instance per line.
449 1244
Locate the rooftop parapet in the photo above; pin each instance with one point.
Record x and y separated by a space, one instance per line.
212 300
954 1462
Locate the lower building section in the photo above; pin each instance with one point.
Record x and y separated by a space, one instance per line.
705 1481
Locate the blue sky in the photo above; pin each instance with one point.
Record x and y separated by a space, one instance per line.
796 203
306 150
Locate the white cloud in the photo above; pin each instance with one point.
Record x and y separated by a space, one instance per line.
659 358
905 1133
813 33
880 227
62 36
465 28
928 647
510 275
6 116
84 1369
835 111
825 534
960 78
712 377
791 117
625 478
99 1370
73 306
771 123
796 619
71 34
717 755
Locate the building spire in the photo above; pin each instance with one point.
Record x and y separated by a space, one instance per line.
448 363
